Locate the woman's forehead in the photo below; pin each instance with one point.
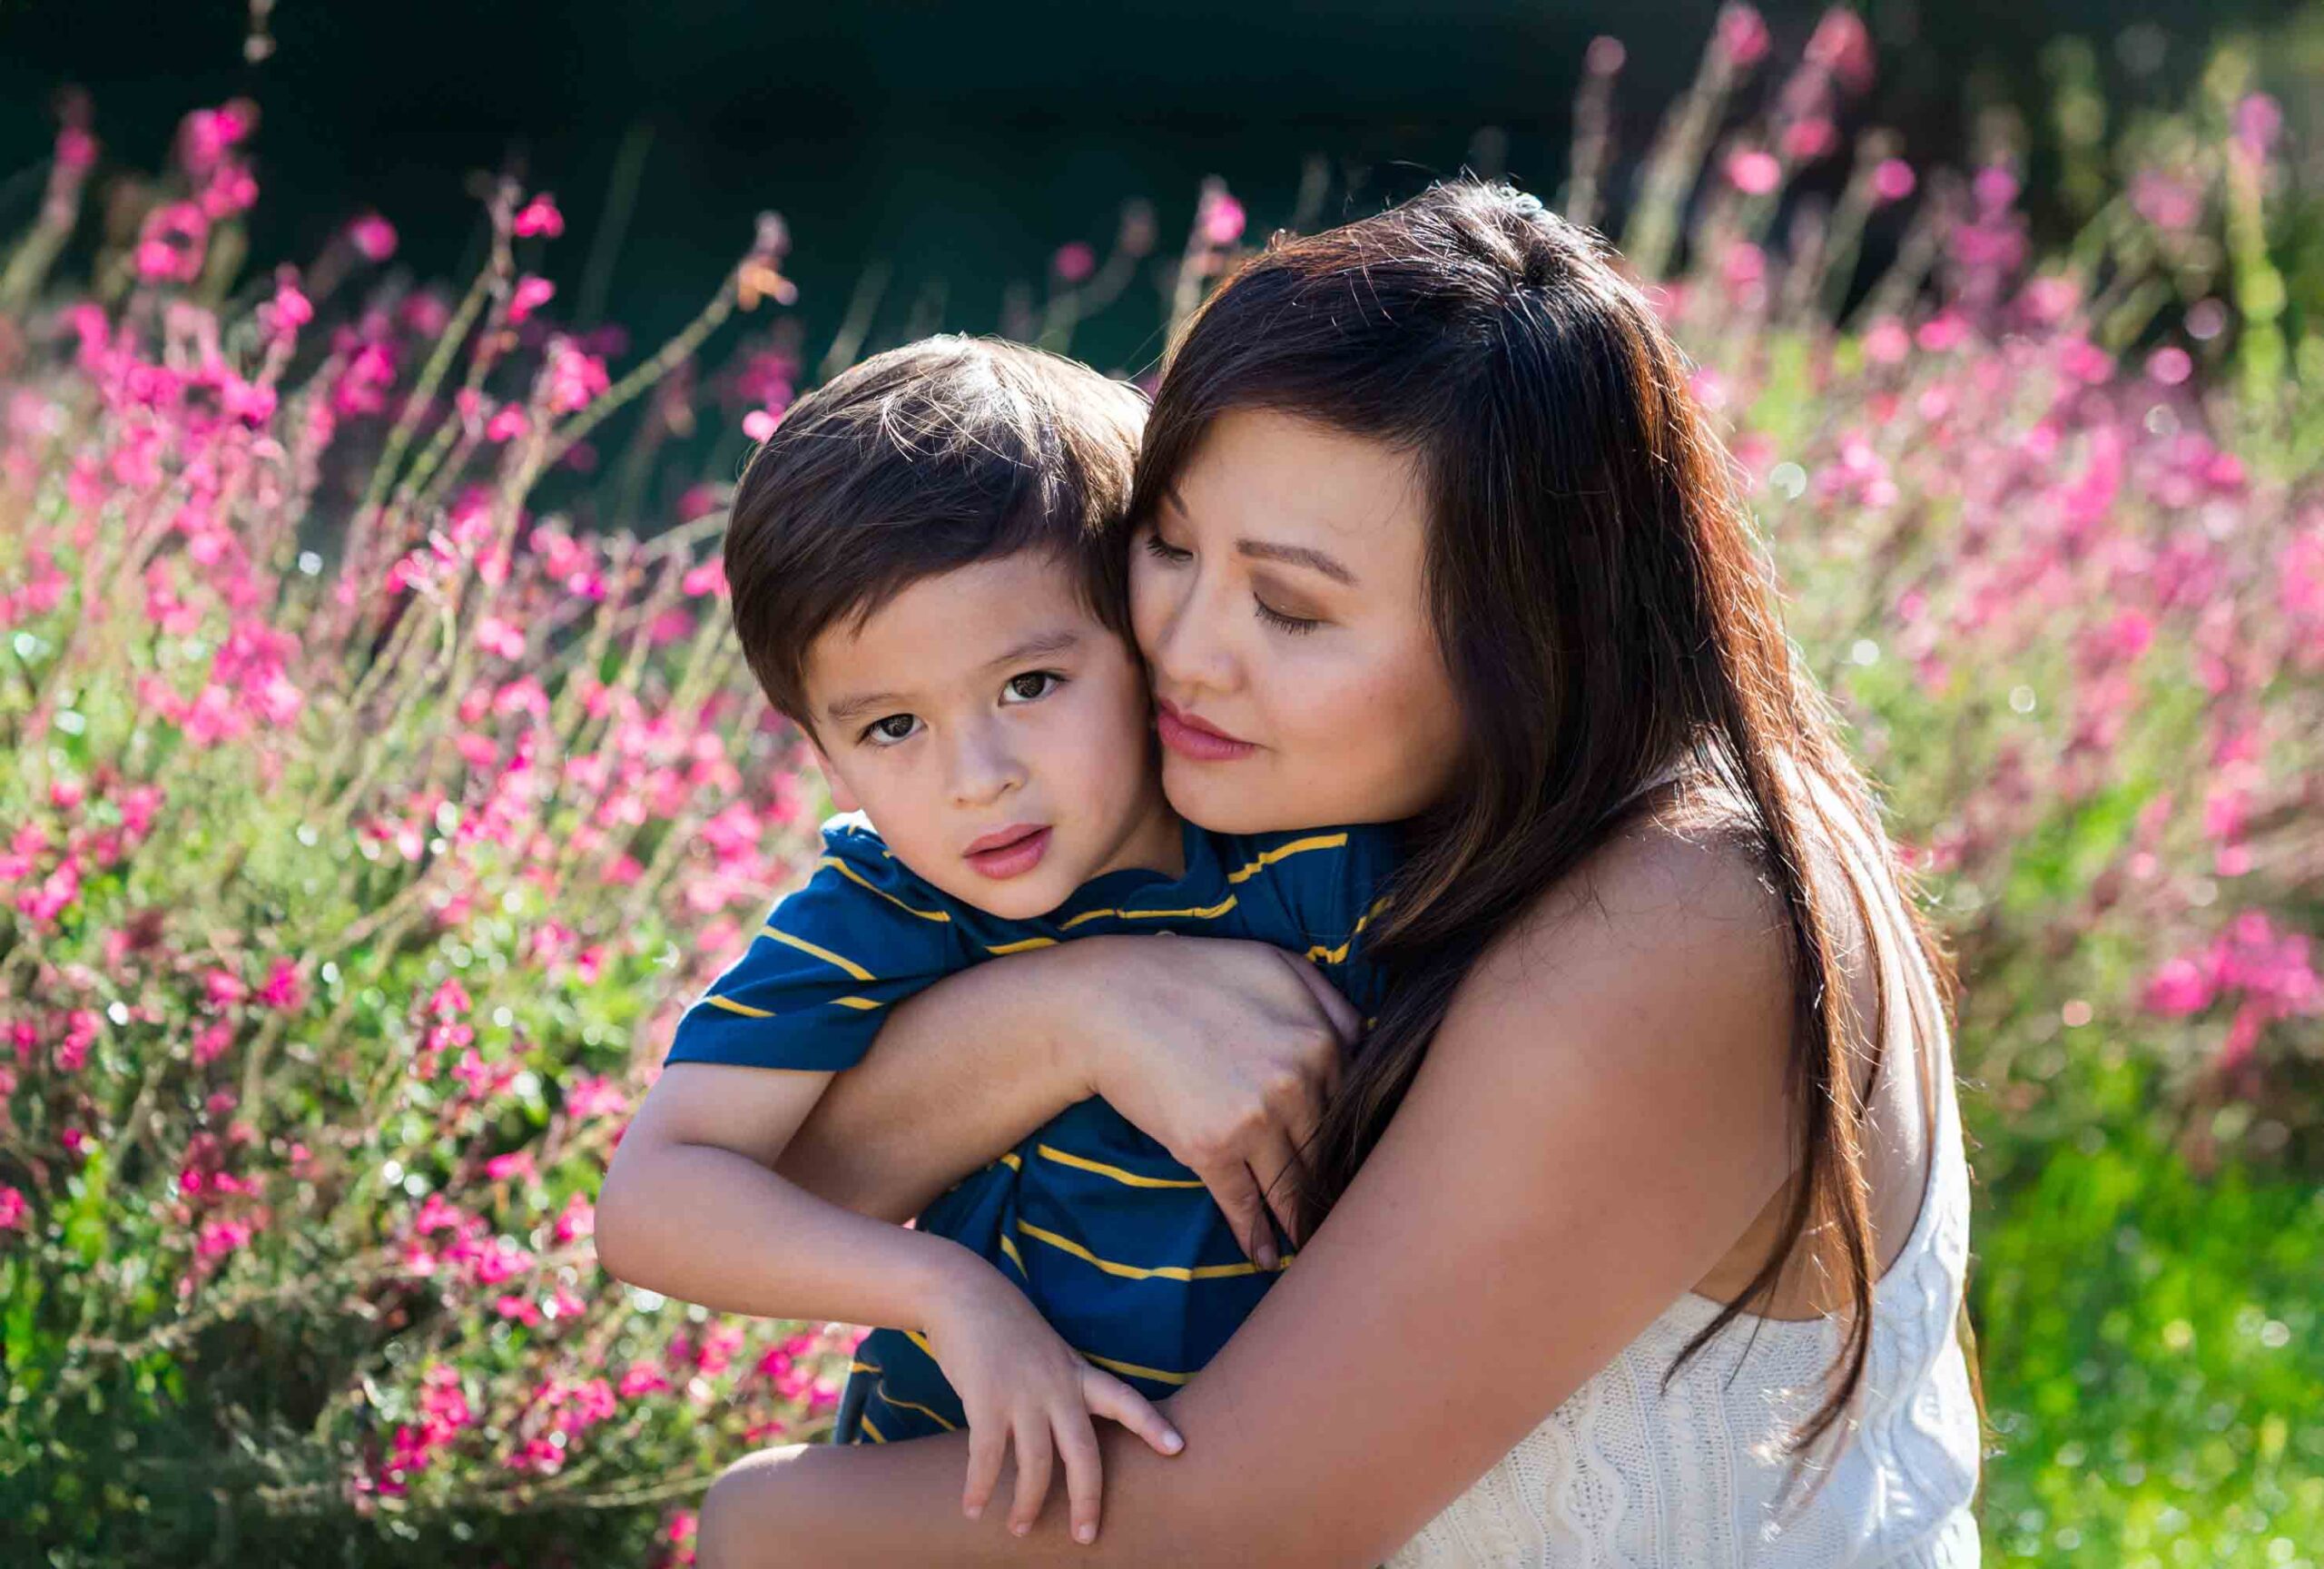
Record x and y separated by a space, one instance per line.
1275 478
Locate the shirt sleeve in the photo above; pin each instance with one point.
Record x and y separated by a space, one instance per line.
818 977
1316 894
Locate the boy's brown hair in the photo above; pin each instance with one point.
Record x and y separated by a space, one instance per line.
916 462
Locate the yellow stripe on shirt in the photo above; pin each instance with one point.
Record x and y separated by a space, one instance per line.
915 1406
1133 1271
1323 955
744 1009
1210 914
1026 946
1127 1179
877 1437
1133 1370
1316 842
825 954
852 875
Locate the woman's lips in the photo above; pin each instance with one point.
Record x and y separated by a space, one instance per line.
1014 851
1189 737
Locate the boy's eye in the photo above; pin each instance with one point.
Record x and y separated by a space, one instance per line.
1034 684
887 731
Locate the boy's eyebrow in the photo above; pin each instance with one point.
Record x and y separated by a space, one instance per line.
1038 645
1268 550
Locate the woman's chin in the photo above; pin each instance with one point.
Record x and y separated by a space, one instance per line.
1216 796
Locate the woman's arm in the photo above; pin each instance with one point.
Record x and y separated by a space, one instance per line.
1222 1051
1585 1142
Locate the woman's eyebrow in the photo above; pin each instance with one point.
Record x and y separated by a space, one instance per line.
1267 550
1297 555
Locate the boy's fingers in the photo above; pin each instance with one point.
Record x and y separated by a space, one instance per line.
1033 1435
1076 1446
1107 1395
988 1441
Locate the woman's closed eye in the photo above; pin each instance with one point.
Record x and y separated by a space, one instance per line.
1162 550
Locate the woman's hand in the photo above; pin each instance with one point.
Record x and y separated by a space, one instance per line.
1222 1051
1019 1384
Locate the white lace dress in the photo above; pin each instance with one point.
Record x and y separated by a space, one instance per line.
1629 1474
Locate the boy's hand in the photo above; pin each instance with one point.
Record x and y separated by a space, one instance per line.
1018 1380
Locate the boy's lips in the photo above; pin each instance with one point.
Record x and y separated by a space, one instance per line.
1010 852
1188 736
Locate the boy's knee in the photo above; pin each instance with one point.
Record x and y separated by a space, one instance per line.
732 1513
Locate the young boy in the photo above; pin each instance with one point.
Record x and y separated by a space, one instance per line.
921 581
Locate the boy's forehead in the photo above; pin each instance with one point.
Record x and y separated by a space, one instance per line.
947 629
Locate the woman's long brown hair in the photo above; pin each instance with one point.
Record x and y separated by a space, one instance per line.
1604 608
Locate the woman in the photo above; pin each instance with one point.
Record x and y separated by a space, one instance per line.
1430 529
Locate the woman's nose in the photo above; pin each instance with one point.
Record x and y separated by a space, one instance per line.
1188 652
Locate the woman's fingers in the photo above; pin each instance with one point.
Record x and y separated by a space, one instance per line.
988 1442
1031 1432
1245 1210
1076 1446
1281 1176
1107 1395
1346 1022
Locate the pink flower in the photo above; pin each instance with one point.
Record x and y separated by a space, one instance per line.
1074 261
1842 46
374 236
759 424
2259 119
530 294
495 636
2169 365
1604 56
1753 171
1810 138
219 1238
76 148
1742 34
506 425
2179 988
282 988
576 378
577 1219
540 216
1893 179
13 1210
1219 217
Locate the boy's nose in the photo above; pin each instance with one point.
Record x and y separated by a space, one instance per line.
983 772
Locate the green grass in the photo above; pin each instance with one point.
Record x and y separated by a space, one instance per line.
2154 1349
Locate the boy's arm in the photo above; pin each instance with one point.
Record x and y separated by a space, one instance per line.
690 1210
959 1074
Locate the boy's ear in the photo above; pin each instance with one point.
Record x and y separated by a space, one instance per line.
842 798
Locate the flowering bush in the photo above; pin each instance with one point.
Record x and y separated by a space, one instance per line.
367 822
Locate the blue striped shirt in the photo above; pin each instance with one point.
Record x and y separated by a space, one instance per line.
1119 1246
